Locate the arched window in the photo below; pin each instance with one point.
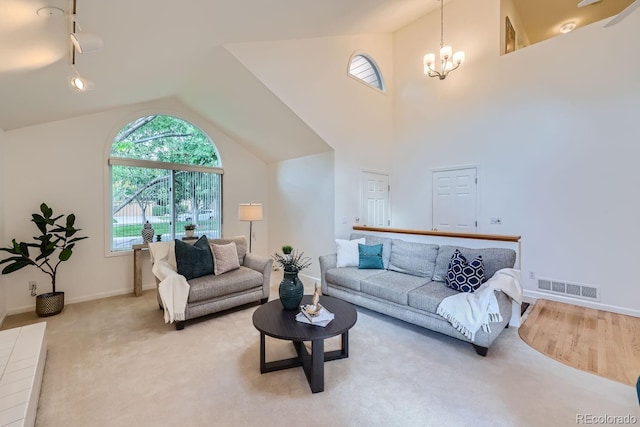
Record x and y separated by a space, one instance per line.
166 171
363 68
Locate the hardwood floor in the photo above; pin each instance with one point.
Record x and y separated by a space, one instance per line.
604 343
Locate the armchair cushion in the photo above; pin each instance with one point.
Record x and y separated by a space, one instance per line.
194 260
225 258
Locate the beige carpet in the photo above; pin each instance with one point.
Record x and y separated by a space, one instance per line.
113 362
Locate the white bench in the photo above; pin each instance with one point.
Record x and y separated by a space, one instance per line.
22 356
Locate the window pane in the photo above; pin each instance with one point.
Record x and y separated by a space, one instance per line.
165 139
198 201
139 195
366 70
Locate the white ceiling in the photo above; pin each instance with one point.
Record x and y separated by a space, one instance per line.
542 19
152 46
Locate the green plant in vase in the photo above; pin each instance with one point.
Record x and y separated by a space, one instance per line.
291 288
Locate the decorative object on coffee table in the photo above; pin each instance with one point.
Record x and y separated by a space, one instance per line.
147 232
314 308
291 288
54 245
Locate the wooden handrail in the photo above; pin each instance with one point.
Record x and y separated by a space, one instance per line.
496 237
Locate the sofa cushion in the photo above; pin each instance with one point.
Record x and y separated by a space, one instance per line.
349 277
241 245
347 252
429 296
370 257
376 240
417 259
210 286
392 286
463 275
225 258
194 260
493 259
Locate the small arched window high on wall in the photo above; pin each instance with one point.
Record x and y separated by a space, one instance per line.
166 171
364 68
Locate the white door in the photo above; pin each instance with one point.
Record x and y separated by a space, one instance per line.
455 205
374 210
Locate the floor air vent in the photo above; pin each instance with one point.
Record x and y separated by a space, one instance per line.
572 290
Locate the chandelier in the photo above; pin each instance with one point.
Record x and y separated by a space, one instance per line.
448 62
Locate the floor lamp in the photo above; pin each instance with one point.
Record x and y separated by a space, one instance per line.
250 212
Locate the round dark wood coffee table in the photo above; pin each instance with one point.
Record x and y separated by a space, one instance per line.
273 320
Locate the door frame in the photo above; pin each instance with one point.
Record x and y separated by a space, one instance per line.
361 207
475 166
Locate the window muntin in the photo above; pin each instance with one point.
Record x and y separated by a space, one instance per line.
365 69
163 170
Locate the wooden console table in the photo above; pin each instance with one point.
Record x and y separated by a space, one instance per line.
137 267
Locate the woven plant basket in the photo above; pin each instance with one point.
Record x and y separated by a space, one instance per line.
49 304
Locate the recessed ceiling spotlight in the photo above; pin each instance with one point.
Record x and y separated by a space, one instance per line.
567 27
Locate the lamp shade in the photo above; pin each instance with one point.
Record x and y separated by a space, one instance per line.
250 211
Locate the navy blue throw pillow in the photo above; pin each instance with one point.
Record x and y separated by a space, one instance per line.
465 276
370 257
194 260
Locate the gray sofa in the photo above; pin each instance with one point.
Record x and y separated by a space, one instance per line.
211 294
414 294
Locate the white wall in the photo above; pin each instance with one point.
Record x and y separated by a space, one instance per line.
3 239
64 164
554 129
301 207
310 76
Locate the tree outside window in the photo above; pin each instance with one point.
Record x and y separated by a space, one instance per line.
166 171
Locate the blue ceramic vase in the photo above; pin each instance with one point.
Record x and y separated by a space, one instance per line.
291 290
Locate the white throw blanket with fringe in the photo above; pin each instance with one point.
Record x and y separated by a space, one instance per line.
174 291
468 312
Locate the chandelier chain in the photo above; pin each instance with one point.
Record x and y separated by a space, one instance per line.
441 23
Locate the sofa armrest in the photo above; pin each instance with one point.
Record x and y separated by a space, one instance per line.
327 262
262 265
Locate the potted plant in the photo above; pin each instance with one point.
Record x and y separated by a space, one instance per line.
189 229
54 246
291 288
286 250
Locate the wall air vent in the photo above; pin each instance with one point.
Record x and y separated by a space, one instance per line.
569 289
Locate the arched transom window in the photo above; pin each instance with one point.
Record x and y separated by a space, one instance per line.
363 68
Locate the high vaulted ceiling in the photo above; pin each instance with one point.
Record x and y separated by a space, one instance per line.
152 46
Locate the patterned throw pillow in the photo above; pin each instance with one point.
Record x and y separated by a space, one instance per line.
370 257
463 276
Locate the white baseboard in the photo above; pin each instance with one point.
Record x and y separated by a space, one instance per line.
32 307
582 303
